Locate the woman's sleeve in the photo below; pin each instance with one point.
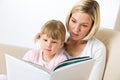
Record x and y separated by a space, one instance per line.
100 57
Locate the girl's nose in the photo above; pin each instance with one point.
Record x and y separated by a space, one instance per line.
48 44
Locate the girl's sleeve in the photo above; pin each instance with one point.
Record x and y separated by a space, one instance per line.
29 56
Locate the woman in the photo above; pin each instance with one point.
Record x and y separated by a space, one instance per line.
82 23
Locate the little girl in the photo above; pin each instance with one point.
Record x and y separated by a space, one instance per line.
51 39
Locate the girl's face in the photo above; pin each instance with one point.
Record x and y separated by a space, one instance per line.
79 25
49 46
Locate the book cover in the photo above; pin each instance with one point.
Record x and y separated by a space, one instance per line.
73 69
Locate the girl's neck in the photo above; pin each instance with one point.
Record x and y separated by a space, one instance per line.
47 58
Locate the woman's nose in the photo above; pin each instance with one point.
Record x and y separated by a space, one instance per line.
76 29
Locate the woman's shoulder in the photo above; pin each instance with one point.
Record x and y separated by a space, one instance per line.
95 41
98 48
96 44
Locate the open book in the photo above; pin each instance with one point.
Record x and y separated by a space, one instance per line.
73 69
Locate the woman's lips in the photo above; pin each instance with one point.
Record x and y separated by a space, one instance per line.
74 35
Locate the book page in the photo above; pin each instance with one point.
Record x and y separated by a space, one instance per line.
18 69
77 71
38 66
71 61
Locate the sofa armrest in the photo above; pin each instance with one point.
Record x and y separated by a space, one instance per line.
12 50
111 39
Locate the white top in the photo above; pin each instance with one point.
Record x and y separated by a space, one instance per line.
95 49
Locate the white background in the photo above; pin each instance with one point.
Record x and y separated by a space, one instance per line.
20 20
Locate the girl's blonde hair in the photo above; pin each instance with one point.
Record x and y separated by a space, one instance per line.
90 7
54 29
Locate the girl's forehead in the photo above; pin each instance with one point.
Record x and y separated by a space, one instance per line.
50 36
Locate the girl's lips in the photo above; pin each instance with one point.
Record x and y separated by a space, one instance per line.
47 49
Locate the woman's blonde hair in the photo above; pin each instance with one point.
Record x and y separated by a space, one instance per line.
54 29
90 7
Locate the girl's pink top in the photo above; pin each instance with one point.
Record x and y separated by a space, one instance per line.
35 56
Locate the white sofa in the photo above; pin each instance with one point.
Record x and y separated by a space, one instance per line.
12 50
109 37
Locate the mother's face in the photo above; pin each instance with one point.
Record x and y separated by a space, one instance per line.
79 25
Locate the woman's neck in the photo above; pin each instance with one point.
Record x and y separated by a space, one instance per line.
74 47
76 42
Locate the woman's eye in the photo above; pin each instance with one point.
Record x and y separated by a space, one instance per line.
84 25
73 21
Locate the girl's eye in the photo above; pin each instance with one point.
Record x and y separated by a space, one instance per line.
54 42
45 40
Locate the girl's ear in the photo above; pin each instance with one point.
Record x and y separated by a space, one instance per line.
62 44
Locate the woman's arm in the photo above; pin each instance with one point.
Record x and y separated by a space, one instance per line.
99 53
